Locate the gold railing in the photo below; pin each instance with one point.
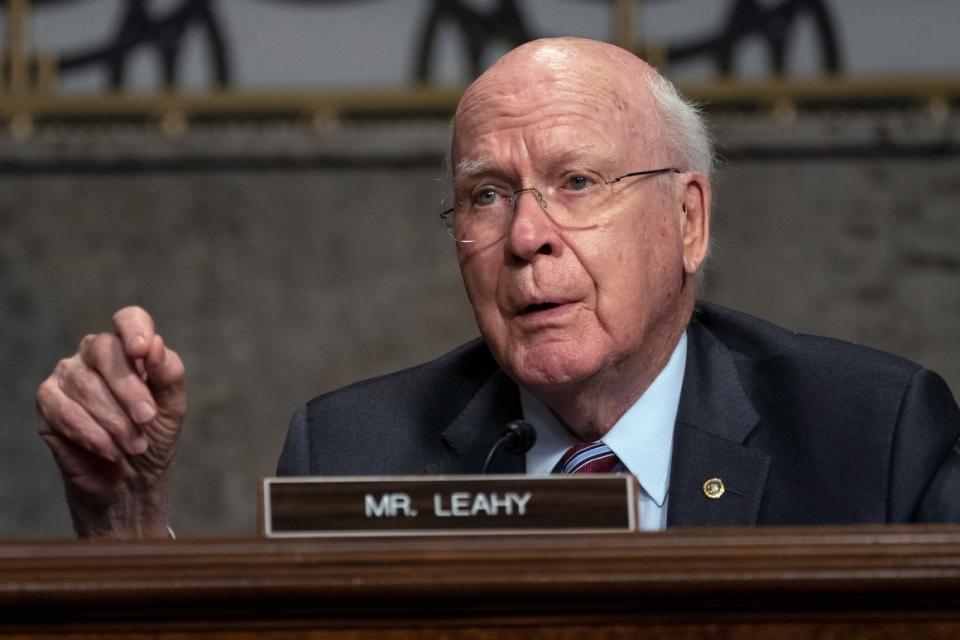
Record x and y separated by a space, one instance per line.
28 95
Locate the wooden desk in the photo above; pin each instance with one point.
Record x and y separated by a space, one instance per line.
835 582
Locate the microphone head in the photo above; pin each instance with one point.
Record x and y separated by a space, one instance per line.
520 435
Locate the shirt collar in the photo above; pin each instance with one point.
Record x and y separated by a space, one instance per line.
642 438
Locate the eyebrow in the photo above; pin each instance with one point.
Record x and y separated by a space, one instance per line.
469 167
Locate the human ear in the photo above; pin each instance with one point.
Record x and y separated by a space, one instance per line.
694 211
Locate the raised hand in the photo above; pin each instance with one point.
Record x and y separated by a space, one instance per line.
111 414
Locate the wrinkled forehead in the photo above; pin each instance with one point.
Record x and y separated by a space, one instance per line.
598 98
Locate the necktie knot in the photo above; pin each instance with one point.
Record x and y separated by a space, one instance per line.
588 457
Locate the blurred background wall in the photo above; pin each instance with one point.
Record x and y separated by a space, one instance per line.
265 177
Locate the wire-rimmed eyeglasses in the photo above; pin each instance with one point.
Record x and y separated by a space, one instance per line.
578 201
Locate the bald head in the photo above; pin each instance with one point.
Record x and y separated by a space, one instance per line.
579 220
593 61
634 95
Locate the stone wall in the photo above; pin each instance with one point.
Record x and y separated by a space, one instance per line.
282 263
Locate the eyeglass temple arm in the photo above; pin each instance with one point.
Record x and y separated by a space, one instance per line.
646 173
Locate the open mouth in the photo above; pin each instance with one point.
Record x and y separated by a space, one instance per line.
539 306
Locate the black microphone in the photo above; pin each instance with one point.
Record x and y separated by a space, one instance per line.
518 437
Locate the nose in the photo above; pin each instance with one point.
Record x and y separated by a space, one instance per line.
533 191
531 230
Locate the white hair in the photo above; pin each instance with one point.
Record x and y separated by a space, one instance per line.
684 128
684 132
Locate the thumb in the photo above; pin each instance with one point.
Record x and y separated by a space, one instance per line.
166 377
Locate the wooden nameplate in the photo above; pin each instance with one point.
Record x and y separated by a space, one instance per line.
447 505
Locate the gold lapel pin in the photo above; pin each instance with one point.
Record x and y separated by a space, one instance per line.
713 488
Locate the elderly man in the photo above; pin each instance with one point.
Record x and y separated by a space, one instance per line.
581 212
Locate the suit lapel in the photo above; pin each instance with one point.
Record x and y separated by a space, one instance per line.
713 421
473 432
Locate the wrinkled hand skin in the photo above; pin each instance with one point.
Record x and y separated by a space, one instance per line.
111 414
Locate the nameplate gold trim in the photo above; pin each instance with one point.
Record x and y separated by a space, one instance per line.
304 507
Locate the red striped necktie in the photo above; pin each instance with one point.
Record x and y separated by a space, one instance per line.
589 457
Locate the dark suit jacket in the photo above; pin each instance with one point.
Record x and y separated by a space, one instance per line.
800 429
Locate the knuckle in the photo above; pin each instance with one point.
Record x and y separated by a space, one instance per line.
103 345
45 394
87 385
46 388
86 345
62 368
71 420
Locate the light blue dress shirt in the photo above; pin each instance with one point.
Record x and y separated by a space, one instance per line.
642 438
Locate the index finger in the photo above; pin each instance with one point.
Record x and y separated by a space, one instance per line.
136 329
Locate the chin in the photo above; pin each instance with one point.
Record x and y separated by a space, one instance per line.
557 365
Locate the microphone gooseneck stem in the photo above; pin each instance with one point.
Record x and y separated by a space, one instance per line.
493 452
518 437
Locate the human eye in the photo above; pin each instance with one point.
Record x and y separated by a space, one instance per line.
489 199
579 182
485 197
